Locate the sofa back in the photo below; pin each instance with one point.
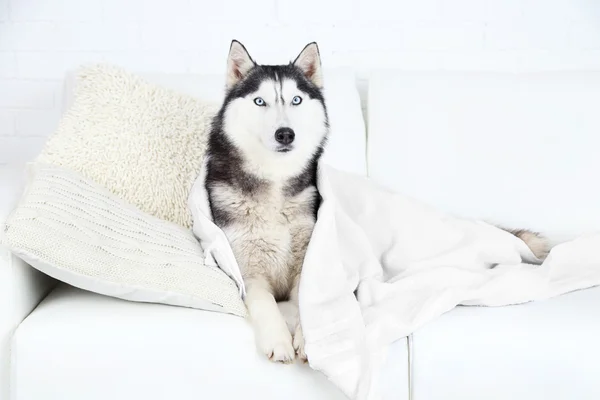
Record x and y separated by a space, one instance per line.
513 149
516 149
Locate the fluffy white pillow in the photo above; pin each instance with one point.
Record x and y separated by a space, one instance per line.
143 142
76 231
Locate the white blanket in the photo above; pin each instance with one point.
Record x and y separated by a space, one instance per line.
380 265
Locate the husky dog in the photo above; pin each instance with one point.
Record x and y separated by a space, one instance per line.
261 170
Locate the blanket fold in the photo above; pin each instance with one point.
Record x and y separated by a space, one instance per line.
380 265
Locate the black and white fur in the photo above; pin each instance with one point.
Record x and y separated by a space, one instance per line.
261 170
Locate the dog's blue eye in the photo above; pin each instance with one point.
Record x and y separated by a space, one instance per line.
259 101
296 100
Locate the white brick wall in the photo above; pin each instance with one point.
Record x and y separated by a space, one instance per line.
41 39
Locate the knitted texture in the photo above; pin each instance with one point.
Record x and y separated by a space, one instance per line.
143 142
80 232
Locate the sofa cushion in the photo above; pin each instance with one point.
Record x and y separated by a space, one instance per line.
514 149
536 351
79 345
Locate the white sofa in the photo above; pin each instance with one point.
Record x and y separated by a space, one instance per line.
516 149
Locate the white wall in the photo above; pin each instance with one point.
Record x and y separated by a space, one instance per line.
41 39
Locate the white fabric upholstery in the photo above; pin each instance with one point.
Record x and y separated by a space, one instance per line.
78 232
519 150
459 141
21 287
346 149
78 345
544 350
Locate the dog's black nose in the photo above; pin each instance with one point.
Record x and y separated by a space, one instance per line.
284 135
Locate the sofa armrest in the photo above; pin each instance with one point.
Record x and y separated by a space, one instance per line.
21 286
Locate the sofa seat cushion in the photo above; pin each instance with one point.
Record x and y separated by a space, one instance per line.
541 350
81 345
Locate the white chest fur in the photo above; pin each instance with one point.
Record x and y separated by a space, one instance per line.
269 231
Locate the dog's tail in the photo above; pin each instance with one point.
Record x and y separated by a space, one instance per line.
539 245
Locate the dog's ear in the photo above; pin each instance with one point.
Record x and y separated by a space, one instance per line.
239 63
309 61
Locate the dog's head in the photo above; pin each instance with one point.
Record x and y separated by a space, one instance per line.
275 110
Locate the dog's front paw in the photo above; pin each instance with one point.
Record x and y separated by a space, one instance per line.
277 346
299 344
